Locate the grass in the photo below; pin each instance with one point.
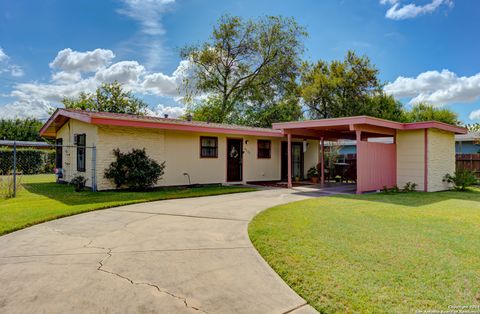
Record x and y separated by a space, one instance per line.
40 199
374 253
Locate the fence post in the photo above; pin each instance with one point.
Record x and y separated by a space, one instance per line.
94 170
14 168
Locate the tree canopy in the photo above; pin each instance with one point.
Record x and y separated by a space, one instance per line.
20 129
346 88
109 97
429 112
247 71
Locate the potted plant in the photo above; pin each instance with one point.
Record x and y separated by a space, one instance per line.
297 178
313 174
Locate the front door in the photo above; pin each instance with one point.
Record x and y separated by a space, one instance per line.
234 160
297 160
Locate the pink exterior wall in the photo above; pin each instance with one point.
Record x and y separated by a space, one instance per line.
376 166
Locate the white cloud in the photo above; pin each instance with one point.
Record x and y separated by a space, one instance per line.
399 11
29 108
171 111
475 115
150 39
16 71
36 98
435 87
88 61
3 55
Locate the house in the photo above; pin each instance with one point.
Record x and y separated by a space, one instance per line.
193 151
202 152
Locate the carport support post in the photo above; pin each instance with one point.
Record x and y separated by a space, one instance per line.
289 160
322 163
359 145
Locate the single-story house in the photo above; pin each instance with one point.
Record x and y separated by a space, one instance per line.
202 152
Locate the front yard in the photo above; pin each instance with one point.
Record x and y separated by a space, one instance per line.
395 253
41 199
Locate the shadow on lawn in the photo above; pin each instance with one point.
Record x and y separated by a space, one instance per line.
65 194
416 199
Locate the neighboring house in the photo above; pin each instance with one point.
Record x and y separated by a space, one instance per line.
193 151
464 144
467 143
202 152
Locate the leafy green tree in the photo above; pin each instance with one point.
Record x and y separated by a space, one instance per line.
20 129
244 64
345 88
428 112
474 127
109 97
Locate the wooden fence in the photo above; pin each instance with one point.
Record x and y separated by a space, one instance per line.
469 161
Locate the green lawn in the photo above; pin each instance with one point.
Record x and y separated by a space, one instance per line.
40 199
374 253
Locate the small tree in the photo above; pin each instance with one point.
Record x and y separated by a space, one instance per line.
461 179
134 169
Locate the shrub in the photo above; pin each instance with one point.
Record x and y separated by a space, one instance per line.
134 169
312 172
461 179
29 161
78 183
6 185
409 187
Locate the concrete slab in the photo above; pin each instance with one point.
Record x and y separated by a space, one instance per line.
175 256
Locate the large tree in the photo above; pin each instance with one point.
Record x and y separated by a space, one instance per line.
345 88
20 129
109 97
428 112
246 68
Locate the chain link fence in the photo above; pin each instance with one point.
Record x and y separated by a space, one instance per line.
21 165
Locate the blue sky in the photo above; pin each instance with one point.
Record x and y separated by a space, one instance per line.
426 50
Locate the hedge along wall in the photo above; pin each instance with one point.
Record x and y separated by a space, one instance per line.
29 161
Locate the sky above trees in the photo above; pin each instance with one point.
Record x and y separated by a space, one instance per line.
426 50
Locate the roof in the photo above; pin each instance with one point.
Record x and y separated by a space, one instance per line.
61 116
469 137
345 128
25 144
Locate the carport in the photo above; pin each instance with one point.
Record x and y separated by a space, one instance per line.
419 152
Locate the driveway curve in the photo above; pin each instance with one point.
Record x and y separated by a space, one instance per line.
175 256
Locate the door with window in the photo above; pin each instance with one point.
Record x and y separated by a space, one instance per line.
297 160
234 160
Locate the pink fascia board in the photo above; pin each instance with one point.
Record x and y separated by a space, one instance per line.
182 127
65 113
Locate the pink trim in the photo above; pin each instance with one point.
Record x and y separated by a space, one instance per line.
69 114
350 122
322 170
181 127
425 172
289 160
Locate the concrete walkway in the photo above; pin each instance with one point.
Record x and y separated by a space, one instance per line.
177 256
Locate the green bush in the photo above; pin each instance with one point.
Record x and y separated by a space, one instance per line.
410 187
78 183
134 170
312 172
461 179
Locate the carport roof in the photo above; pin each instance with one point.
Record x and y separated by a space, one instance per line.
345 128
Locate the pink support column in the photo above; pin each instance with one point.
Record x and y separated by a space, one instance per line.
322 169
359 151
289 160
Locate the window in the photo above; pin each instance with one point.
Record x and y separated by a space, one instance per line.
81 141
264 148
208 147
58 153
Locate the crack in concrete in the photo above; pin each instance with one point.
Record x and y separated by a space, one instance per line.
296 308
109 254
183 215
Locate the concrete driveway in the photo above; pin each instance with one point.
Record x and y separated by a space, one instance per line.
177 256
